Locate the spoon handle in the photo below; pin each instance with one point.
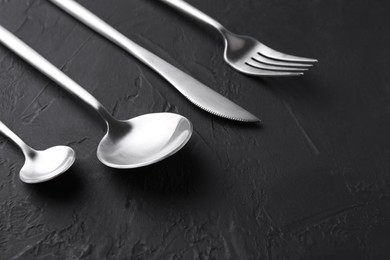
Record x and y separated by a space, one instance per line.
12 136
40 63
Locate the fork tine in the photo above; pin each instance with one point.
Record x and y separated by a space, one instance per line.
262 59
255 71
261 65
273 54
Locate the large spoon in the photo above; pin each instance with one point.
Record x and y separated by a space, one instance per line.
127 144
41 166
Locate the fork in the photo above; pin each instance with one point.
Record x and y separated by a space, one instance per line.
245 53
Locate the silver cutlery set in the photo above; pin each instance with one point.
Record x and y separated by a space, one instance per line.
149 138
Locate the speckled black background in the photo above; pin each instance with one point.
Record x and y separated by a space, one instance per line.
311 183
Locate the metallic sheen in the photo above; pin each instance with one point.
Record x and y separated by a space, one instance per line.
128 144
41 166
196 92
246 54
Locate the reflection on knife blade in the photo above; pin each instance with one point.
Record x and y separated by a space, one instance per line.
199 94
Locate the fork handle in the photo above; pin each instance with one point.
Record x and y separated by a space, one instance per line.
195 13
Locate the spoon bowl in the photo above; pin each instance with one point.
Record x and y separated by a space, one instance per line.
143 140
41 166
128 144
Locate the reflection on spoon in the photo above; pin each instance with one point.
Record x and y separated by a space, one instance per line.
143 140
128 144
41 166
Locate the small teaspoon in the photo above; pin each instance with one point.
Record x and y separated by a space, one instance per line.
127 144
41 166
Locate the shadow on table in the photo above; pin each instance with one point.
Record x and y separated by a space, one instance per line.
64 188
310 88
181 176
188 174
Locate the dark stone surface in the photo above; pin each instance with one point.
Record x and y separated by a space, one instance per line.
311 183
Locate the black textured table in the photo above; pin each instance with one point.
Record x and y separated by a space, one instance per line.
311 183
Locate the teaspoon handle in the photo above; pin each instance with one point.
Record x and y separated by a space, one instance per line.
16 139
40 63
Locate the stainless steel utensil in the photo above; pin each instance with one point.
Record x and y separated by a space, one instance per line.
196 92
245 53
128 144
41 166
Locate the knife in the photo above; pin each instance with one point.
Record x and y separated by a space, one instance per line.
195 91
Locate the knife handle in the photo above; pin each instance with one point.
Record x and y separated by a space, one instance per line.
180 80
196 92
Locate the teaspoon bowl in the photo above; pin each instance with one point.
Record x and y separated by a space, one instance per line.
128 144
41 166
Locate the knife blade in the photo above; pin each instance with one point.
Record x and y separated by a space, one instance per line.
195 91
